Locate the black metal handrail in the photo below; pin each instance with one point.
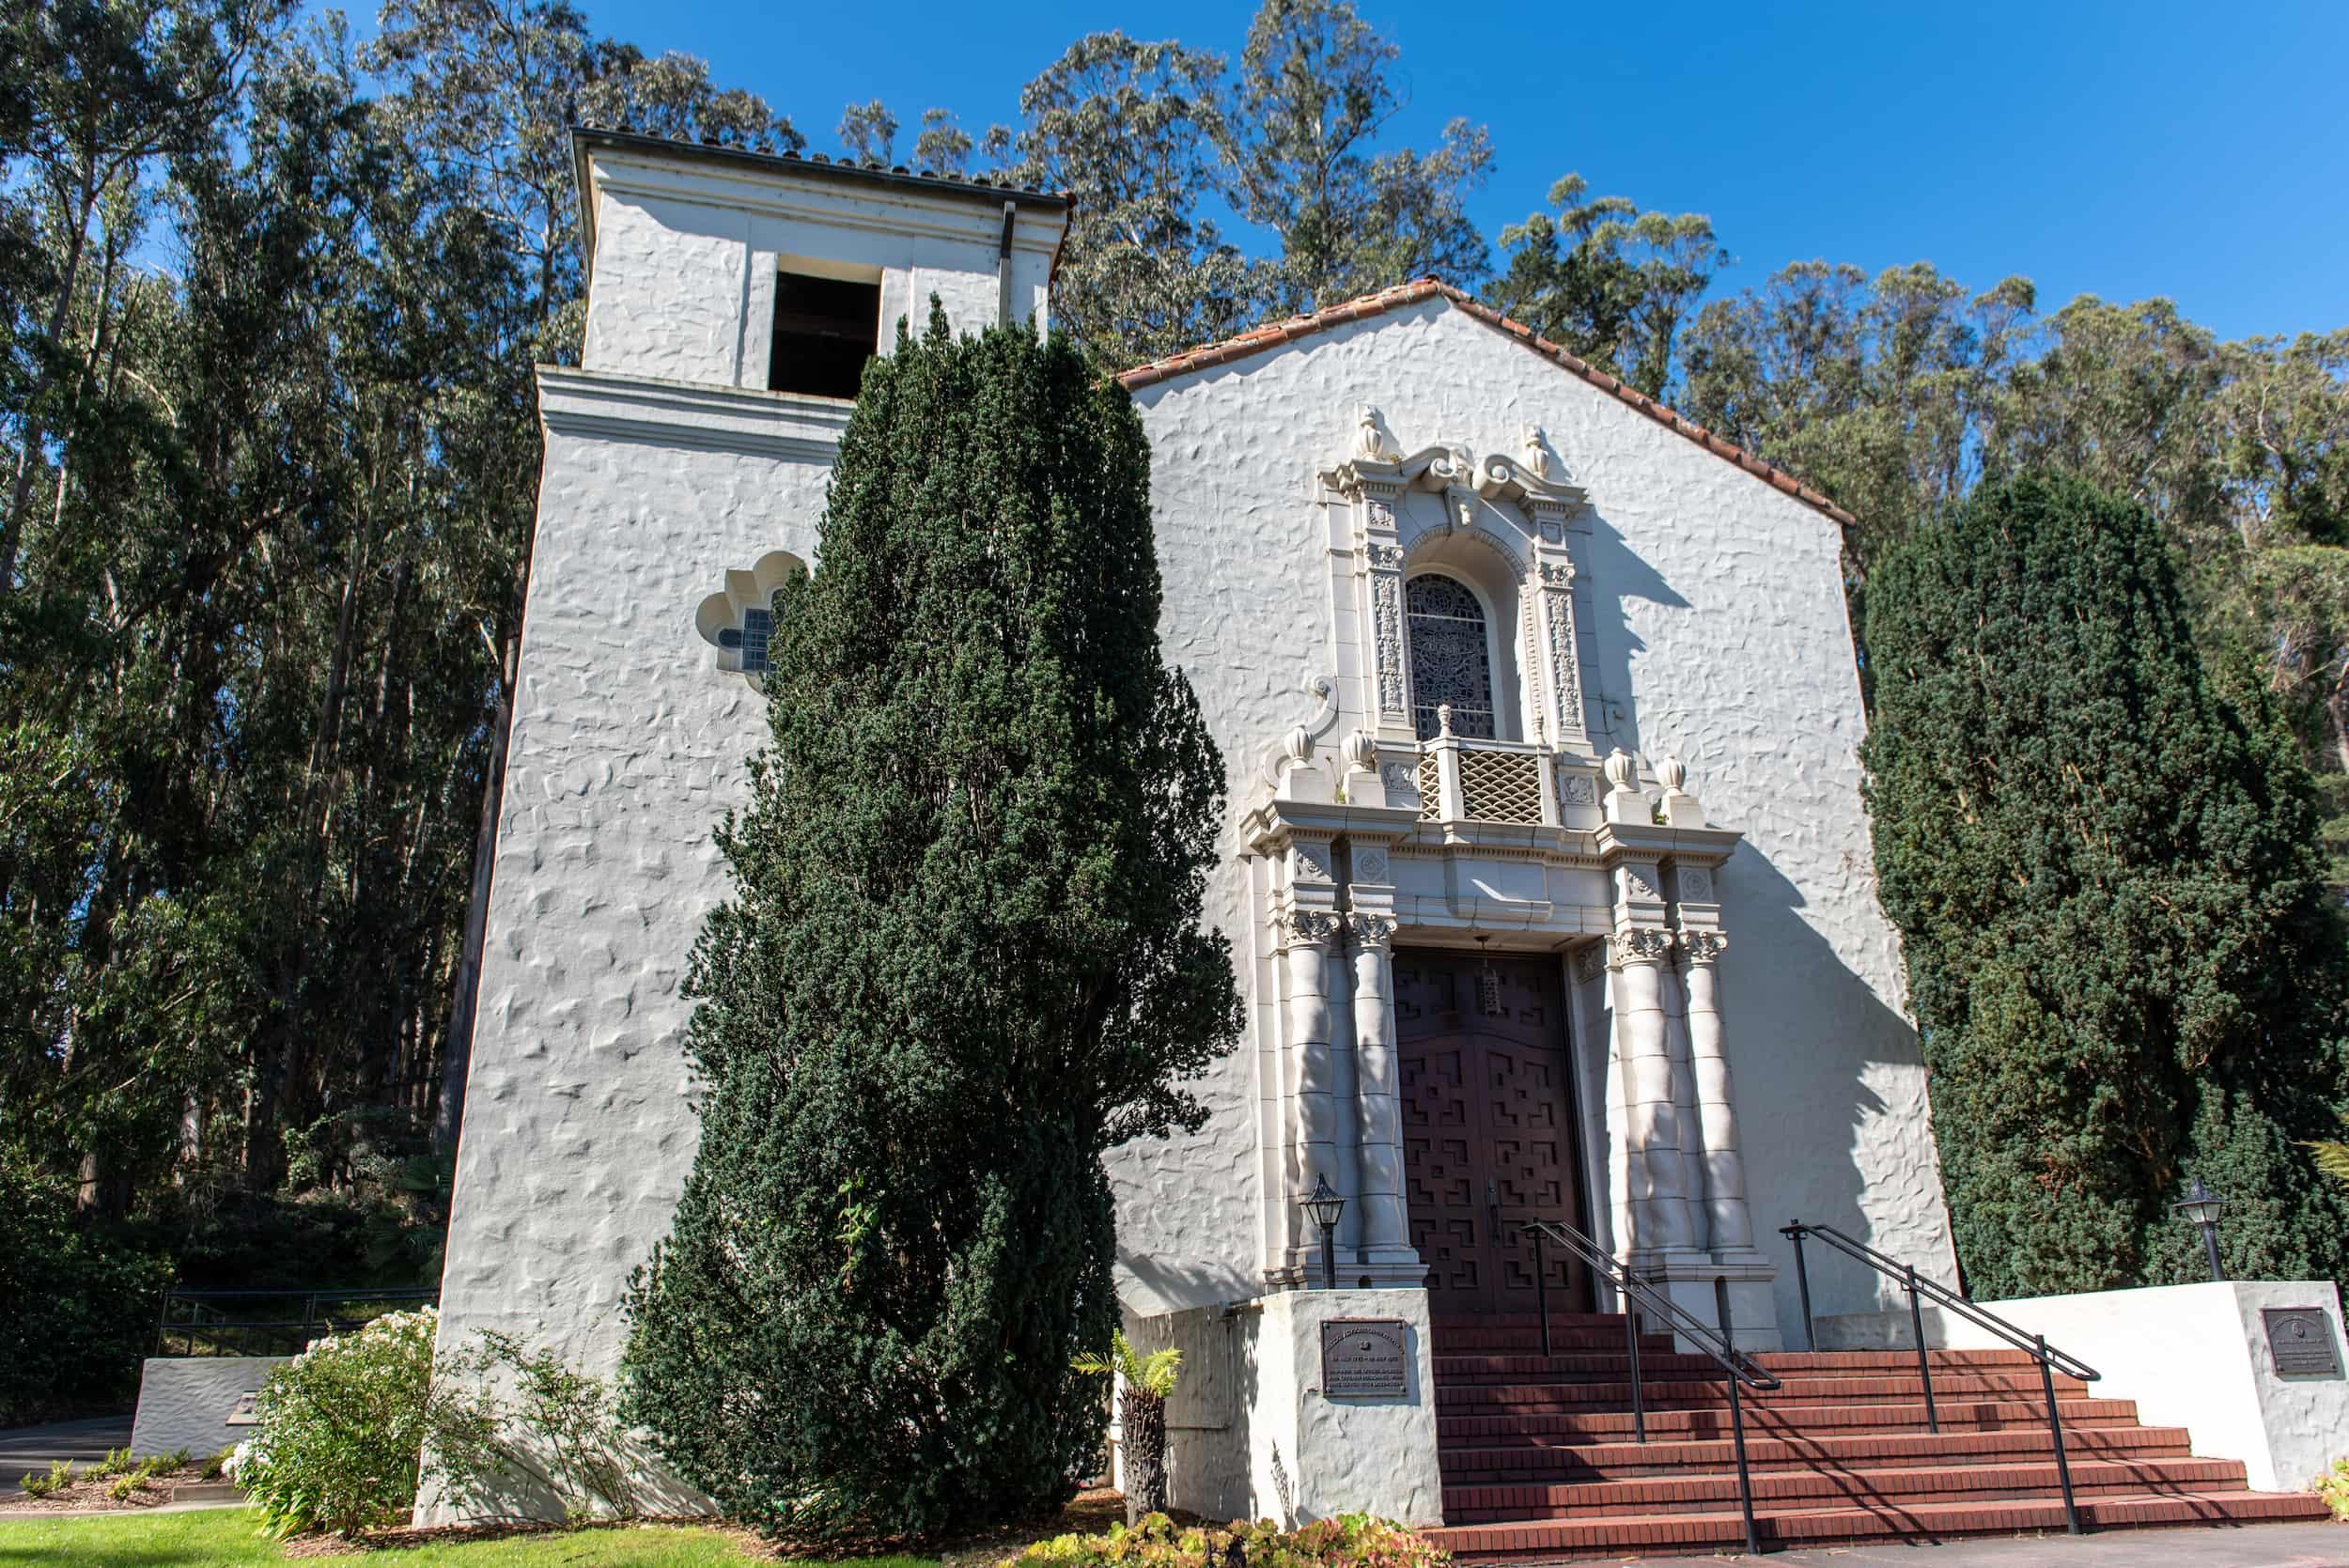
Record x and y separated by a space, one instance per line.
1923 1287
224 1322
1636 1294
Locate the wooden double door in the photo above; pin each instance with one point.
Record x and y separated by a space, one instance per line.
1489 1127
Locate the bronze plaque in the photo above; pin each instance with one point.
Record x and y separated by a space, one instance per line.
1364 1356
2300 1341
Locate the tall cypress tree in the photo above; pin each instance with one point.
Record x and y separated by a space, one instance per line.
2121 954
963 959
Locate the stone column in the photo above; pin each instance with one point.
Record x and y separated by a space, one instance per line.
1655 1135
1386 1232
1312 1124
1729 1220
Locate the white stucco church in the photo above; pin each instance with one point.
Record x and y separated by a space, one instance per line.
1546 867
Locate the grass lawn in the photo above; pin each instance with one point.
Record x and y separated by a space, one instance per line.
231 1538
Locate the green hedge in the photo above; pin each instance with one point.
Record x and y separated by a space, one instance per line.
77 1307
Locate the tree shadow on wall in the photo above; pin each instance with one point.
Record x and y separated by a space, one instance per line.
1815 1050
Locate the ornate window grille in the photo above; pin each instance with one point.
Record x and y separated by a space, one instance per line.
1452 660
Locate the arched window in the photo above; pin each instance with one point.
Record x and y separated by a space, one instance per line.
1451 660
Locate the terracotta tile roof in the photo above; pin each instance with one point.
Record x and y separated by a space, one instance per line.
1419 289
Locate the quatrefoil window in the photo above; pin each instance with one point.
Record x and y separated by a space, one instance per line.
740 622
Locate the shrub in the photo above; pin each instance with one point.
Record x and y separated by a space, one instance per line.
60 1475
2103 859
2333 1486
528 1412
962 959
342 1428
1348 1541
77 1305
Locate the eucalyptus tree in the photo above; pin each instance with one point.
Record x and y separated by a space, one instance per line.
1128 129
1609 282
1299 141
98 90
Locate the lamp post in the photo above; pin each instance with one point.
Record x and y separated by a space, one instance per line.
1325 1205
2202 1206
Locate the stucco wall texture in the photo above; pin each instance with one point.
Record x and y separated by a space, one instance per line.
185 1401
1716 630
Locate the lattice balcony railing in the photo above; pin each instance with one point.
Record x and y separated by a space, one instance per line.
1501 786
1482 782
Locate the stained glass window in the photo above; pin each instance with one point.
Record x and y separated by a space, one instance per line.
1450 659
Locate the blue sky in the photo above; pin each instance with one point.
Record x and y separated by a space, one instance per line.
2196 151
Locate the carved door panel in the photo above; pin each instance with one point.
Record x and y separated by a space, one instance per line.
1488 1126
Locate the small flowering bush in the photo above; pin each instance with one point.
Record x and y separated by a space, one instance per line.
1348 1541
2333 1486
342 1429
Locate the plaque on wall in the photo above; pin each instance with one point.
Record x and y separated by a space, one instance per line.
2300 1341
247 1412
1364 1357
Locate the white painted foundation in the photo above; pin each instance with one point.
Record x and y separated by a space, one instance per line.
1251 1434
2191 1356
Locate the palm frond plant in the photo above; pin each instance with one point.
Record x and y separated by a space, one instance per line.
2331 1155
1142 1384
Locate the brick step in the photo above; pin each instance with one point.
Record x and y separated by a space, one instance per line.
1587 1389
1512 1368
1820 1360
1442 1321
1713 1420
1526 1342
1465 1505
1531 1462
1622 1535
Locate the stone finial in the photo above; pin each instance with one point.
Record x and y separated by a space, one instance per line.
1370 442
1361 752
1297 745
1681 808
1536 457
1625 802
1443 721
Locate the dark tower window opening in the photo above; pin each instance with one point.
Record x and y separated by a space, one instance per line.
825 330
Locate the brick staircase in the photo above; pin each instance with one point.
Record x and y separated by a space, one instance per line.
1540 1462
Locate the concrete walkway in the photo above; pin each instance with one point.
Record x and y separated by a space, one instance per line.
82 1442
2187 1546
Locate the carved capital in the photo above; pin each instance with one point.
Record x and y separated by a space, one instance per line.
1305 927
1701 947
1642 944
1558 574
1365 930
1384 557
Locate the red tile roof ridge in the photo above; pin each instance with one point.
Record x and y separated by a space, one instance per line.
1397 296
